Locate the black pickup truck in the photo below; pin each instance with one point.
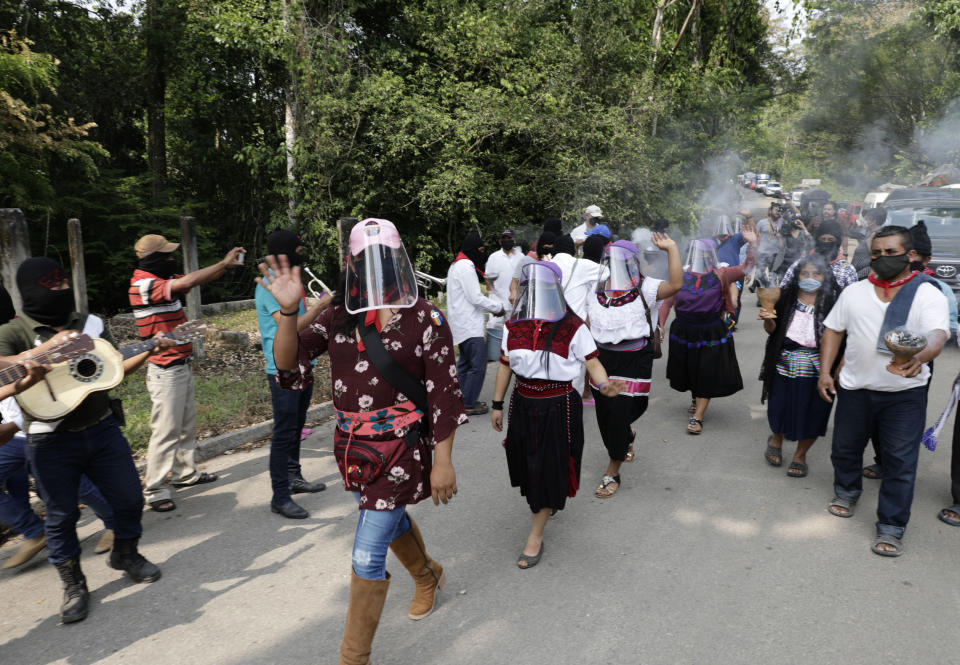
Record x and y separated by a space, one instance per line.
940 210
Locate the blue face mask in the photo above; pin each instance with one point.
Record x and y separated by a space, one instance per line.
809 284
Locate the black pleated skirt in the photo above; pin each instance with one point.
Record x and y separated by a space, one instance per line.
702 359
544 448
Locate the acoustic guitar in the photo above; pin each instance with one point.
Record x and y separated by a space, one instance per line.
75 346
98 368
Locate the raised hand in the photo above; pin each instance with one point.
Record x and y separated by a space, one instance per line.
662 241
749 234
284 284
232 257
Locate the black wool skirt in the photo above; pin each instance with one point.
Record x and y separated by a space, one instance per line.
544 448
702 358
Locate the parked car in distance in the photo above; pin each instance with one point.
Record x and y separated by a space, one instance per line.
773 188
762 184
795 194
875 199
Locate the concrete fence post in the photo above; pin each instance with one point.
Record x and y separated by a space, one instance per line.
79 272
191 262
14 250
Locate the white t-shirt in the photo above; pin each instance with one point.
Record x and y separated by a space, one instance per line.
579 281
11 413
612 325
859 312
530 364
502 265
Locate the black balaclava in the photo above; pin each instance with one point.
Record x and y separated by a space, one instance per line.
593 247
285 241
921 243
546 244
471 248
828 250
161 264
7 311
553 225
41 302
565 245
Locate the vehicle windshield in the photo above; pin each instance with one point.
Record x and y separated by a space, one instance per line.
939 221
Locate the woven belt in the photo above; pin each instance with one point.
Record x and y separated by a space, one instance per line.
368 423
542 387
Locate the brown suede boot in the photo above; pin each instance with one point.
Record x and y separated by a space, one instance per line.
427 573
27 550
366 603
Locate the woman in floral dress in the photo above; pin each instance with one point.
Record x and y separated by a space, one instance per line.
390 453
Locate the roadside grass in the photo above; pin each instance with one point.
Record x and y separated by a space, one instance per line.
231 386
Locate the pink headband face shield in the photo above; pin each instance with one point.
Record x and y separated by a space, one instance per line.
541 298
379 272
624 267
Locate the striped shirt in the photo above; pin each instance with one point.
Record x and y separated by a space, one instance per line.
157 310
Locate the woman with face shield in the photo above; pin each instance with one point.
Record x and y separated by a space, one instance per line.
702 357
544 344
392 444
623 314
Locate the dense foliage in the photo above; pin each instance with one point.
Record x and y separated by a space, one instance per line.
441 116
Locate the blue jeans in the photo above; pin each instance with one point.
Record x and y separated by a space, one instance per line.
59 461
471 369
289 415
376 529
897 419
15 501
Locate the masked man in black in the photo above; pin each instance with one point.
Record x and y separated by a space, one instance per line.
87 441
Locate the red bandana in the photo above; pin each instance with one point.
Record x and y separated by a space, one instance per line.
462 256
887 285
372 318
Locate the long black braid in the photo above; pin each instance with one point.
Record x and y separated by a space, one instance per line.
786 307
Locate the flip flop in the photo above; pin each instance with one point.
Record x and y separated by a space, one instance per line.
691 423
529 561
942 515
887 539
604 491
163 505
799 467
873 472
841 503
773 455
631 454
202 479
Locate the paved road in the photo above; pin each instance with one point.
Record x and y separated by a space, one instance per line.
706 555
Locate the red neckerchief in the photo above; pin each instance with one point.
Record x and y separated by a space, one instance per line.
461 256
370 319
887 285
928 272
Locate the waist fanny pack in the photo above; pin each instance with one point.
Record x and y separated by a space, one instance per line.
362 462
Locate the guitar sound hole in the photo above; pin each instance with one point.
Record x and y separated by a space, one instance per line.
86 368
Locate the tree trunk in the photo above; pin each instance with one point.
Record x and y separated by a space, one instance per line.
156 97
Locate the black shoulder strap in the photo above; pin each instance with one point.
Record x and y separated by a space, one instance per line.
395 375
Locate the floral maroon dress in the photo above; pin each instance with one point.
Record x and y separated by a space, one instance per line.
420 341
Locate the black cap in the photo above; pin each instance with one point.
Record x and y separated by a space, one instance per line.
508 232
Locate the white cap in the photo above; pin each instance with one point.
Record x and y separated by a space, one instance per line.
593 211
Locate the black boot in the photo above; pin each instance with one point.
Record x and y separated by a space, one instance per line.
125 557
76 598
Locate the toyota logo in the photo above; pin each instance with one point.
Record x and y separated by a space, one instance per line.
946 271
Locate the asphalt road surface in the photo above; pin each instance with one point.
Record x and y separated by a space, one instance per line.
705 555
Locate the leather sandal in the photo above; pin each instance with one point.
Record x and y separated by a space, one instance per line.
694 422
841 507
163 505
604 491
631 455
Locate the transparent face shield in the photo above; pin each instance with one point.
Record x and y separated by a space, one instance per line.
379 272
724 226
541 298
624 270
701 257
